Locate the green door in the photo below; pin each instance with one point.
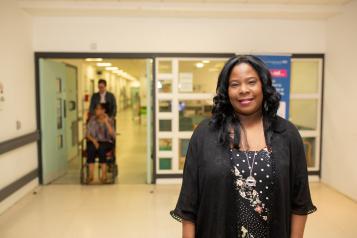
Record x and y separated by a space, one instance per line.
71 114
53 121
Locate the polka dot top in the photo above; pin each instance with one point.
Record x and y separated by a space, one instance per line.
252 173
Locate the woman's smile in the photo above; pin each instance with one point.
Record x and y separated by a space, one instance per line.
245 101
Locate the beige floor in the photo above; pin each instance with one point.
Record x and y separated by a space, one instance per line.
130 151
131 148
133 209
115 211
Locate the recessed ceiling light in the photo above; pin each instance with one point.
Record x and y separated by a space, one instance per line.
94 59
200 65
104 64
205 61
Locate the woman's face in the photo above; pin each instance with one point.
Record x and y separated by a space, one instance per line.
99 111
245 90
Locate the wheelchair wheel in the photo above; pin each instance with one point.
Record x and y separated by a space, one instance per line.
99 170
115 171
84 174
82 179
110 172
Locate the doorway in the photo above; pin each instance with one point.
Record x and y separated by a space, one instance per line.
66 85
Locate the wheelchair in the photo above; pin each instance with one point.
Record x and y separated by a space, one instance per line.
112 167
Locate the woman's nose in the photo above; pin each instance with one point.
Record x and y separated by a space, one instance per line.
244 89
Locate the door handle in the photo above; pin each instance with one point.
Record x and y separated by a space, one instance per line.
72 105
64 109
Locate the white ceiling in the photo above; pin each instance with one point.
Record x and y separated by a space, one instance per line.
298 2
287 9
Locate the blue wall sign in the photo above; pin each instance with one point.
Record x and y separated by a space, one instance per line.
279 67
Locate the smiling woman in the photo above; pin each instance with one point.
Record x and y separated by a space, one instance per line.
246 80
245 173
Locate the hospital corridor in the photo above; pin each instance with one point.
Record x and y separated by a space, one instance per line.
171 118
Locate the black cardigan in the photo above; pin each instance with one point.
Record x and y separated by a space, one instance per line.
206 196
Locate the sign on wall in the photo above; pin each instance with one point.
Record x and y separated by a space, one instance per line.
279 67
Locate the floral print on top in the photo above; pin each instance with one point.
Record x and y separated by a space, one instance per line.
253 204
99 130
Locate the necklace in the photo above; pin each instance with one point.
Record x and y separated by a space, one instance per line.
250 181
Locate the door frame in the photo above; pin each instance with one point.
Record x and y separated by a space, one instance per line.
153 56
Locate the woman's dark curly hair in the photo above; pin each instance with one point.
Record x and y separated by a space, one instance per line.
223 115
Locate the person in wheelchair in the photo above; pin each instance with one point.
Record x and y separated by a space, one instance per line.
100 140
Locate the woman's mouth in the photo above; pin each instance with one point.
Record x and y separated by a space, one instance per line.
245 101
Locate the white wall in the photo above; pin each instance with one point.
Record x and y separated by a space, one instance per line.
17 76
340 111
115 34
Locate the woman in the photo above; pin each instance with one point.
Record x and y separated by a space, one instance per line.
245 173
100 135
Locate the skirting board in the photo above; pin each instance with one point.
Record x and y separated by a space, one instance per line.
19 194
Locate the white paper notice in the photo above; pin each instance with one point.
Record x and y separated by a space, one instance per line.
185 82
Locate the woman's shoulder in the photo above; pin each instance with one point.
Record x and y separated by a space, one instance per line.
287 127
92 120
203 129
204 126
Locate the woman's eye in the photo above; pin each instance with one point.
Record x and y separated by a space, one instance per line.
234 84
252 82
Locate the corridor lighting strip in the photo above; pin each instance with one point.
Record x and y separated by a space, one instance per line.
104 64
94 59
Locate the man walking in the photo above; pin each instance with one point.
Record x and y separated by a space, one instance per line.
103 96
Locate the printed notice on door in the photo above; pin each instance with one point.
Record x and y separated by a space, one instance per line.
185 82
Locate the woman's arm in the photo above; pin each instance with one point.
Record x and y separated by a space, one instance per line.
301 204
187 205
109 126
297 225
188 229
93 140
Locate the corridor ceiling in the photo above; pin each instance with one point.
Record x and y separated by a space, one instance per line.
299 2
287 9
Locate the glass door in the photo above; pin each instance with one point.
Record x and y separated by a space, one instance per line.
184 92
53 119
305 105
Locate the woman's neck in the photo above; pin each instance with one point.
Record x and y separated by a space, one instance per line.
100 117
250 120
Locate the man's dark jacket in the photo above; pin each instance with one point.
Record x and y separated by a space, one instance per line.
109 99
